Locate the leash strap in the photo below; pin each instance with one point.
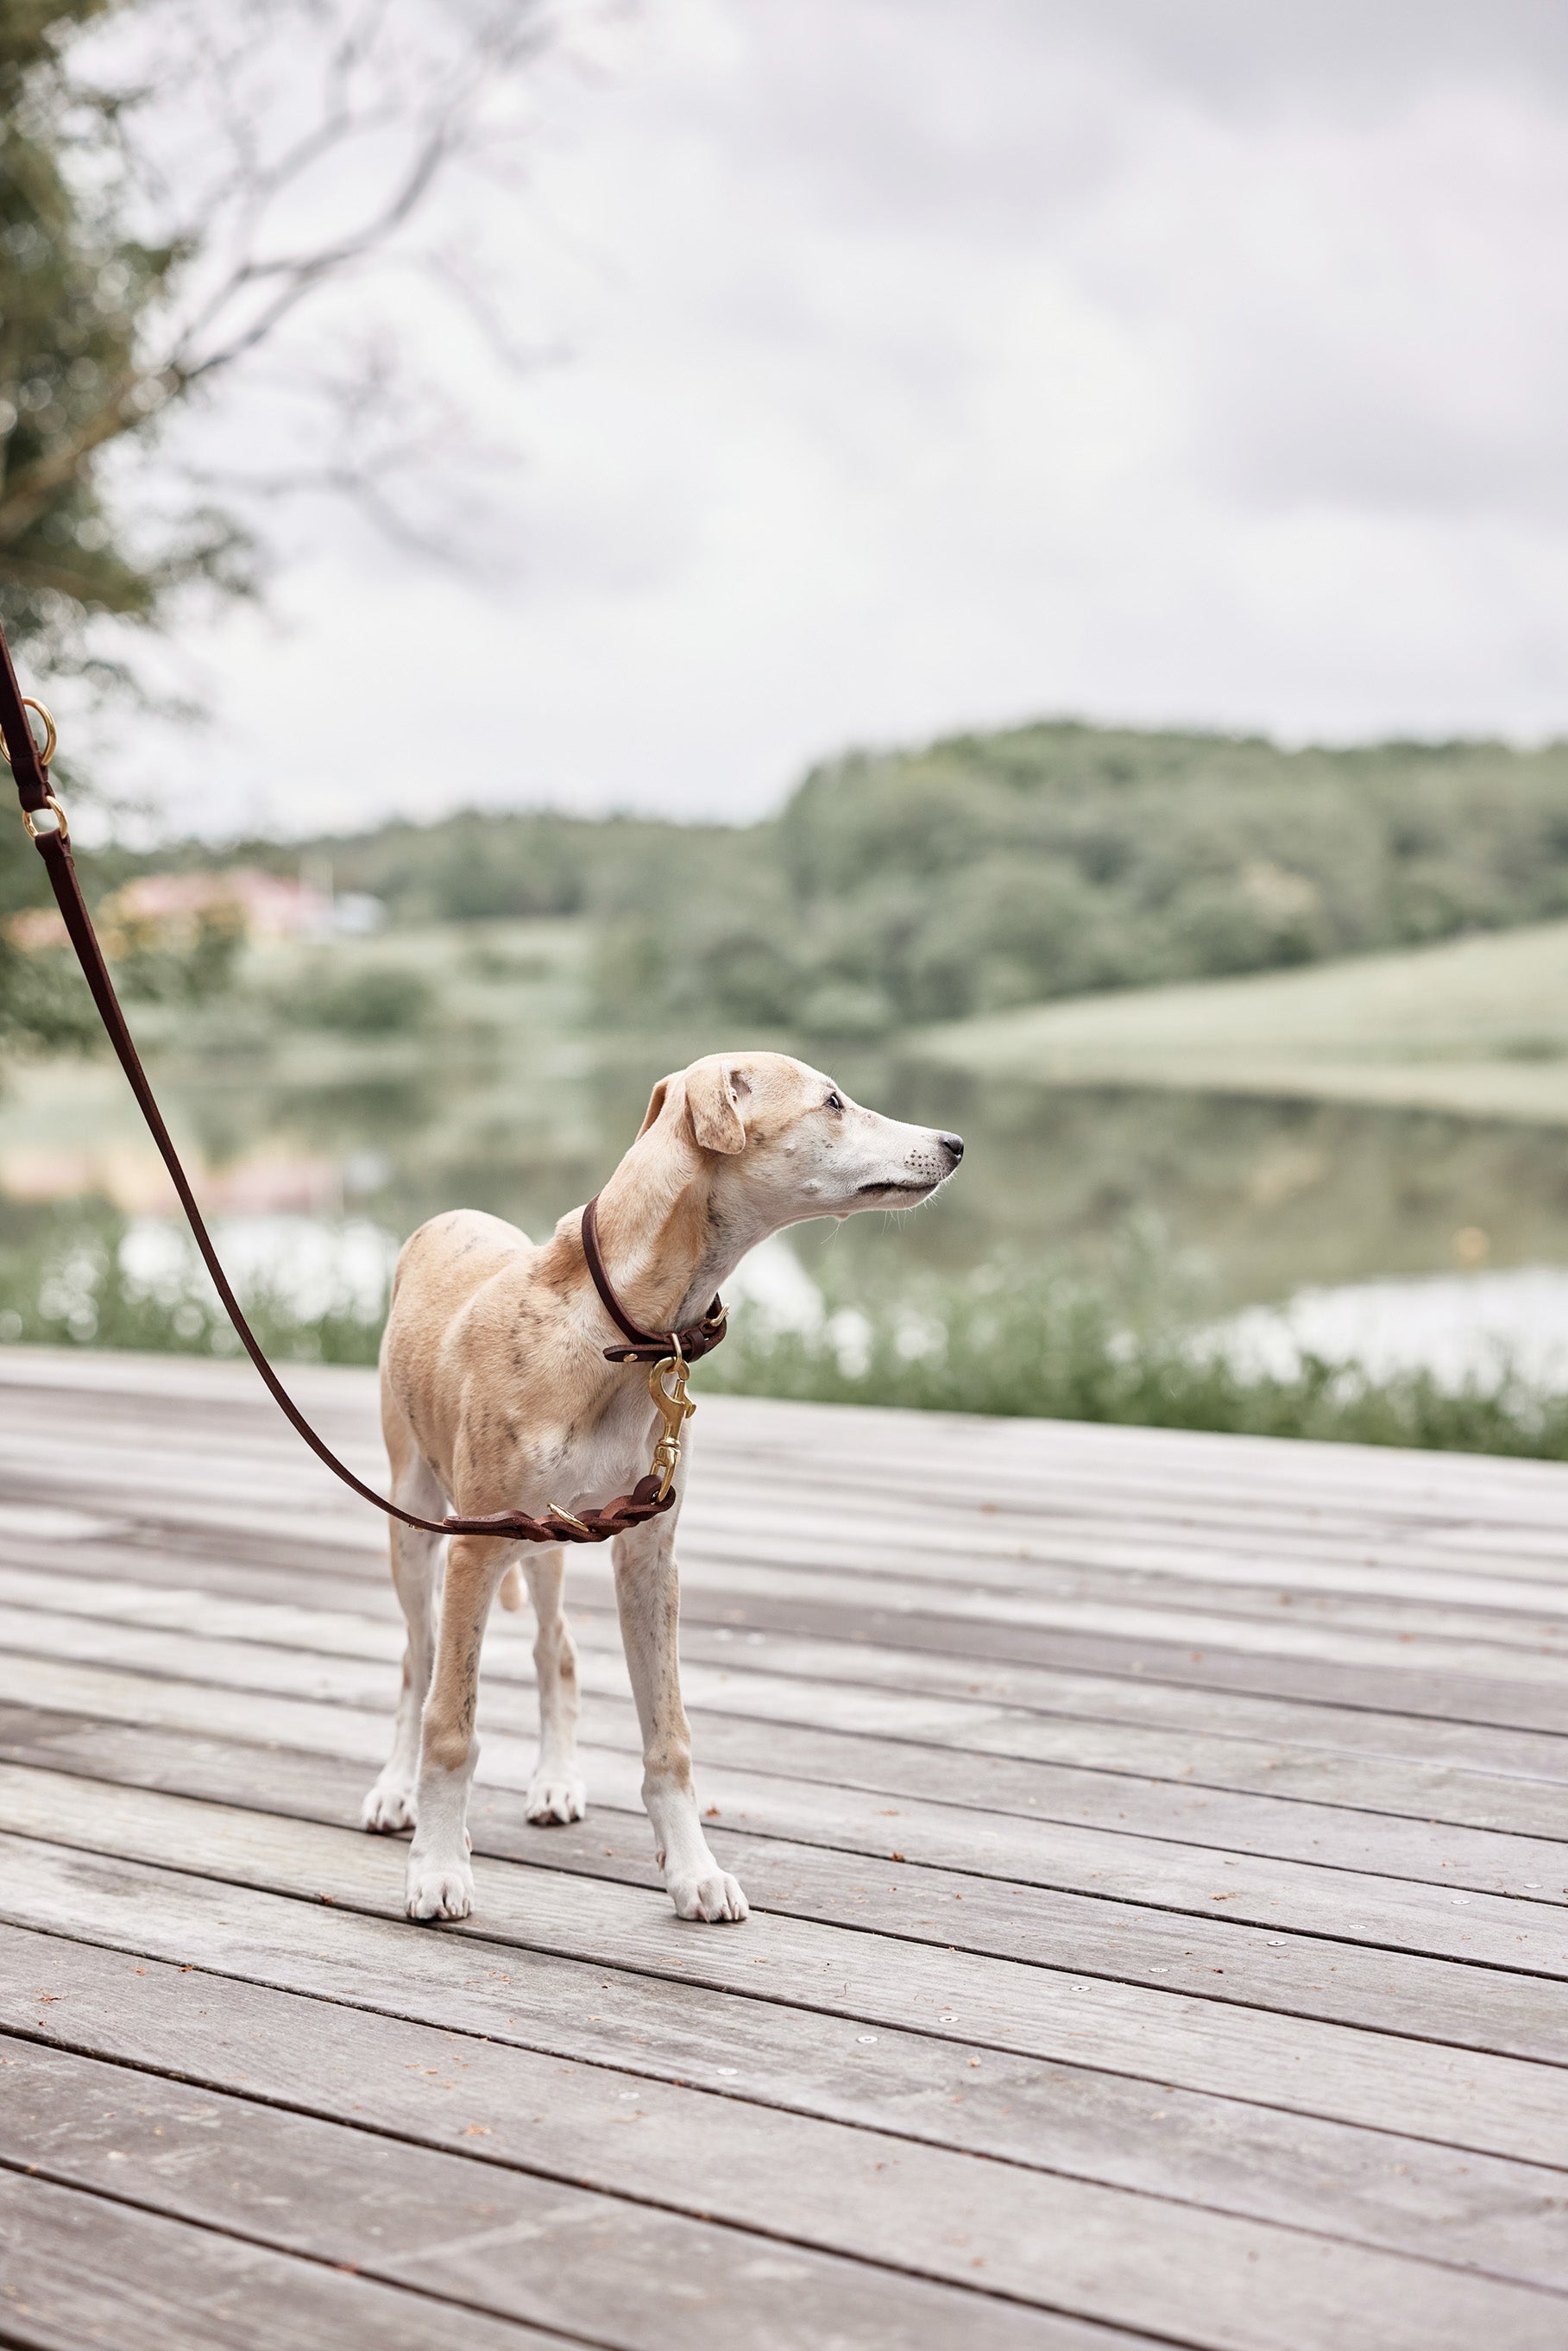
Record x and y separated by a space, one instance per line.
648 1498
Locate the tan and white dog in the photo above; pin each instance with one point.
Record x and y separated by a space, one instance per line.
495 1395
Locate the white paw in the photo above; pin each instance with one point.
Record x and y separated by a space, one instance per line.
439 1890
555 1797
714 1896
389 1807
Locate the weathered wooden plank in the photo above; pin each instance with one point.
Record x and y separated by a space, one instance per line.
829 1432
1184 1472
940 2235
224 2032
1027 1578
1037 1612
1212 1958
251 1562
1512 1932
82 2269
1378 1841
958 1726
1443 1693
958 1534
1236 1471
273 1576
1511 1687
1143 1660
1497 2105
862 1445
1055 1695
749 1596
1373 1558
536 2249
30 1587
1235 1659
1242 1562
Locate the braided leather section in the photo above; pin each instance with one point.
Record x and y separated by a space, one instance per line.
627 1511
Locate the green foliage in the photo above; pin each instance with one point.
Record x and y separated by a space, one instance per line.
77 292
1017 1342
378 999
1053 860
478 865
71 289
151 966
63 1283
990 870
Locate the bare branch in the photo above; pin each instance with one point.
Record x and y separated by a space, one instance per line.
443 127
30 491
271 152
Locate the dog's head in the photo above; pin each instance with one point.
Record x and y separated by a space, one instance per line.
781 1142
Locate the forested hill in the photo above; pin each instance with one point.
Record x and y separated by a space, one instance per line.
989 870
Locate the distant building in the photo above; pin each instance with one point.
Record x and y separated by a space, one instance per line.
263 906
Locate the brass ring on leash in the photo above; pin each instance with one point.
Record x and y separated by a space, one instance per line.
59 825
51 737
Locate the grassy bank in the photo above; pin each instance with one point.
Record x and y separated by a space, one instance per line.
1008 1341
1476 1026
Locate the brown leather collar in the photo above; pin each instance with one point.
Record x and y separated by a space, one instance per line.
689 1343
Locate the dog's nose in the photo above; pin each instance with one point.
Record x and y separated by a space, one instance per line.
953 1144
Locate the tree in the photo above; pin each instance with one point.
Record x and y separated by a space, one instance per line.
73 292
178 186
134 283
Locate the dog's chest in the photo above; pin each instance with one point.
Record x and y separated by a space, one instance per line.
605 1456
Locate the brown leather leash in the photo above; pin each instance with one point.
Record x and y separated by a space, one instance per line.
669 1352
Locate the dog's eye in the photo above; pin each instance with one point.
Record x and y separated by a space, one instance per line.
834 1101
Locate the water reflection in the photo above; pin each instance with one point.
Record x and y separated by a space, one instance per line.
1255 1201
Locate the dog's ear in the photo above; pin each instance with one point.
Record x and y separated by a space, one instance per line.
715 1091
656 1101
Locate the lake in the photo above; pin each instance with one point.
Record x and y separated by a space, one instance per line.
1403 1236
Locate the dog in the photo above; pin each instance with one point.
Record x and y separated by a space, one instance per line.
495 1395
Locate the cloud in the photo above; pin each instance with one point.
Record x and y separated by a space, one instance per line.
936 364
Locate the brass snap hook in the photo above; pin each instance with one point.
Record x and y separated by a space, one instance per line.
676 1408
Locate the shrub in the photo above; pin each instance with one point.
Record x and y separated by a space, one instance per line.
382 999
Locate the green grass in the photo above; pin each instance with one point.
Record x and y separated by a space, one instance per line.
1049 1346
1476 1026
64 1285
1009 1341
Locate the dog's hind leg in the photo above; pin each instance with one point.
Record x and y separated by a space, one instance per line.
647 1592
440 1877
415 1566
556 1791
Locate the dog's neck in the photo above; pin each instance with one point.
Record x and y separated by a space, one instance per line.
667 1248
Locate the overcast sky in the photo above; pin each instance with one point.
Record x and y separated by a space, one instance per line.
936 363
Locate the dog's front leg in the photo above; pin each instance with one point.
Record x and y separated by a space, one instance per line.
647 1594
416 1567
556 1791
440 1876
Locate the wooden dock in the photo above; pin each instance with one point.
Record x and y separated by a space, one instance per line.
1158 1853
